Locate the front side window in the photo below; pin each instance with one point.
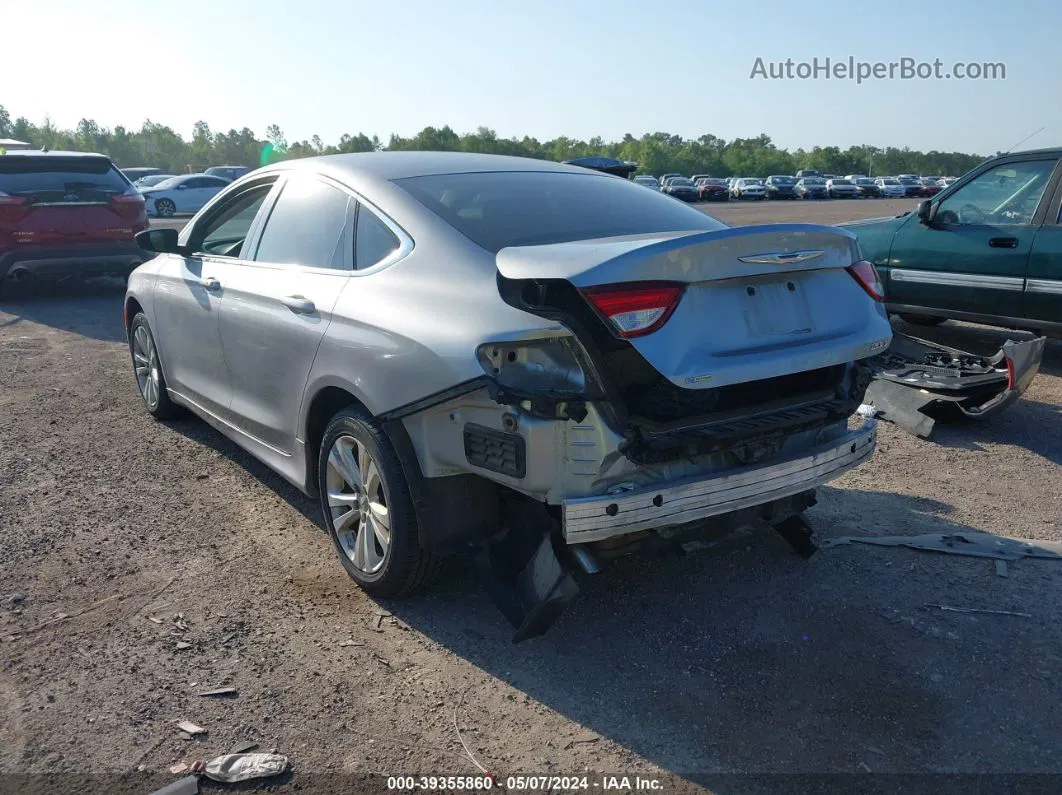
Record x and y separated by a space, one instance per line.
310 225
1006 195
225 231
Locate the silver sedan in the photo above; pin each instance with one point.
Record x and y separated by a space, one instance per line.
462 352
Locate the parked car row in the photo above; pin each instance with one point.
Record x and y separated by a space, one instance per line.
806 184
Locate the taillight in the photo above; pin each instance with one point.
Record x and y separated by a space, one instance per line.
1010 373
128 198
867 276
8 201
635 308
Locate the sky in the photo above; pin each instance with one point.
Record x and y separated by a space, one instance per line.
545 68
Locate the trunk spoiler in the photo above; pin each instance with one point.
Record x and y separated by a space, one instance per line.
915 381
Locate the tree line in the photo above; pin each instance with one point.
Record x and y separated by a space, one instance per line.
160 146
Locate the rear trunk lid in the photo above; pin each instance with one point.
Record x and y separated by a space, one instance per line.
757 302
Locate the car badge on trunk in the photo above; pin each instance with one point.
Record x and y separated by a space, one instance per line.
781 259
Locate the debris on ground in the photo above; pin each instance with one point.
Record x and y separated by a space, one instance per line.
65 616
346 643
970 544
583 739
952 609
868 411
1001 568
190 728
243 748
231 768
220 691
189 785
182 645
154 620
178 768
916 381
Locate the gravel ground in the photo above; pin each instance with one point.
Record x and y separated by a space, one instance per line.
741 659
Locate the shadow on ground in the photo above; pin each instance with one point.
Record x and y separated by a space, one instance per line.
746 658
91 308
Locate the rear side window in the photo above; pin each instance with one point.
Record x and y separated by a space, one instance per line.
373 240
310 224
48 180
525 208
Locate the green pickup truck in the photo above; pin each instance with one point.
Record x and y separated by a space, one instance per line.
988 249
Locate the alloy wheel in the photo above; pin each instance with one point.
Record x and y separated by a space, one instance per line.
357 504
146 364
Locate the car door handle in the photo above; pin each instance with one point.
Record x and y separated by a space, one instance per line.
210 283
298 304
1003 242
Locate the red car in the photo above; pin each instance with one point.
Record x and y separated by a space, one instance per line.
710 189
67 214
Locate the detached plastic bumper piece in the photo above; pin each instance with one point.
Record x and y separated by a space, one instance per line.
914 379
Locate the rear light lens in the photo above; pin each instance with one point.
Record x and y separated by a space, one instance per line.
7 201
134 197
867 276
635 308
1011 381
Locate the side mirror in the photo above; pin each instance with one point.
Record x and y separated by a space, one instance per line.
160 241
927 211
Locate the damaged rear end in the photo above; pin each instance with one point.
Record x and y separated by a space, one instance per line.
681 377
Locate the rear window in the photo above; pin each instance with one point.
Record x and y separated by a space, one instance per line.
526 208
60 180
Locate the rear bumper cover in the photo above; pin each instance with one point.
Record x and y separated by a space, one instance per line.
587 519
913 377
74 260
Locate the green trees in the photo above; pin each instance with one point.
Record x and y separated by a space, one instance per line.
656 153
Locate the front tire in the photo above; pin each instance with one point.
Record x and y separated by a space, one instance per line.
367 509
148 370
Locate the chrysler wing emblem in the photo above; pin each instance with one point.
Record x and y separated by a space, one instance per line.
781 259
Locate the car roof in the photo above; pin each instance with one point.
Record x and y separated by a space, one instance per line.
398 165
52 153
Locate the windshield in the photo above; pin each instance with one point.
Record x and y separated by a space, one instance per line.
840 182
526 208
781 180
864 181
813 181
890 182
56 180
681 182
167 184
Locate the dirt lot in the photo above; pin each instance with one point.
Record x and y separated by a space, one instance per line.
742 659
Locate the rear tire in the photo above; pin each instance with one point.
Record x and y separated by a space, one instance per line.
921 320
371 521
165 208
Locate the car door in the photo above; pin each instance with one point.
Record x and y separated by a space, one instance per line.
1043 276
970 258
278 304
184 195
188 297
